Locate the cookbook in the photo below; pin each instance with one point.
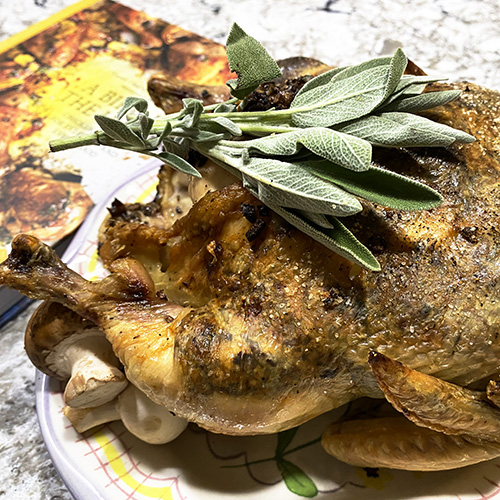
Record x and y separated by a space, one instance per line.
54 76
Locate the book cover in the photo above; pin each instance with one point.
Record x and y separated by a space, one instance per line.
54 77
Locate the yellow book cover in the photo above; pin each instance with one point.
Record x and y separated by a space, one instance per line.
54 77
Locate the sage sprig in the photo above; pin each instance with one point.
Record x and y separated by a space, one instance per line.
310 163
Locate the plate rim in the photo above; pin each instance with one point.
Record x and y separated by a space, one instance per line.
78 484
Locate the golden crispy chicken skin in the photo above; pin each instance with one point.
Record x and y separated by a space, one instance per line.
244 325
229 357
263 328
440 268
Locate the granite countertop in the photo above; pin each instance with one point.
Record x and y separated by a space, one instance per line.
457 38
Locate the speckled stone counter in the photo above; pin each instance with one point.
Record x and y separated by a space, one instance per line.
456 38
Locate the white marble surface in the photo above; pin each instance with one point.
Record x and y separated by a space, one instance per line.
456 38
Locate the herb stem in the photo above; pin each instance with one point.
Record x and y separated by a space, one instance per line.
96 139
244 121
75 142
274 114
251 129
210 107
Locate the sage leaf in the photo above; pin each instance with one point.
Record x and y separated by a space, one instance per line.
146 124
350 94
284 439
210 129
286 184
320 220
208 136
224 107
409 86
164 133
421 125
346 150
193 108
132 102
185 131
380 186
421 102
177 145
339 239
196 135
415 83
250 61
395 129
119 131
397 67
176 162
296 480
228 125
291 185
319 80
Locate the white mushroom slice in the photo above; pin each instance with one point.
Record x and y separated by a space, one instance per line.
146 419
83 419
95 377
143 418
62 344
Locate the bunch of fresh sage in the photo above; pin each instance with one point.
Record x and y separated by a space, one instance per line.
310 163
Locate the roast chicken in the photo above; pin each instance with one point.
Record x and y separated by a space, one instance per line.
240 323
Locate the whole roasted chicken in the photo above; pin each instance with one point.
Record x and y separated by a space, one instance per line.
235 320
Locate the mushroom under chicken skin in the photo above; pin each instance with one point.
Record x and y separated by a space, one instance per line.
65 346
236 321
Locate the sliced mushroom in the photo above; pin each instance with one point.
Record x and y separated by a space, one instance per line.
62 344
143 418
83 419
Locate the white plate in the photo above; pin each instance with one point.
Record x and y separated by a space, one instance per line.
110 464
